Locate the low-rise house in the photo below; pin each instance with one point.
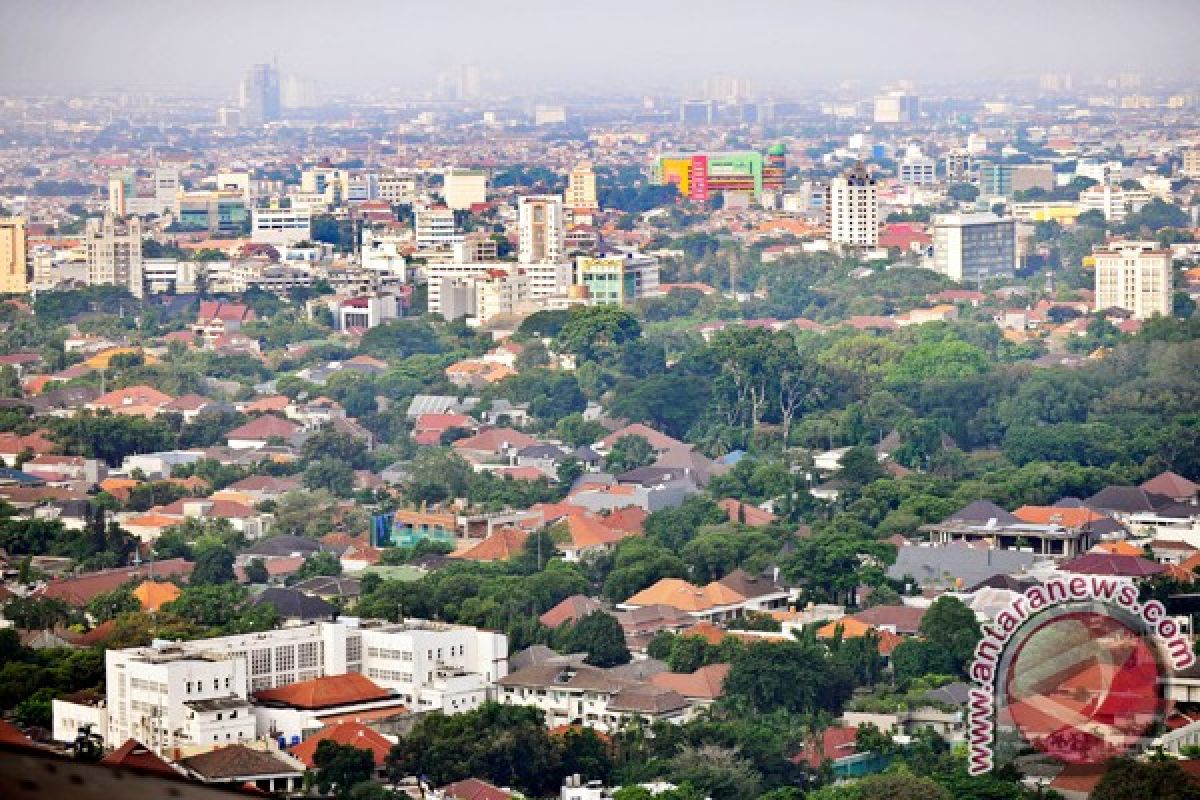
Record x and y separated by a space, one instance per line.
717 601
348 734
428 428
492 445
1172 485
267 769
78 590
140 401
701 688
262 431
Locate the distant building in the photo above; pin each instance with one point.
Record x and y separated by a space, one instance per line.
581 188
114 253
14 276
464 188
701 176
540 229
853 208
697 112
974 248
897 106
549 115
1135 276
1191 163
259 95
1113 202
958 166
435 228
917 169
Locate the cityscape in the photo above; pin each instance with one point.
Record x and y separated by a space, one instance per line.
687 401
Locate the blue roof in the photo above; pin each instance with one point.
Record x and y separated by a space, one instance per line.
16 476
732 457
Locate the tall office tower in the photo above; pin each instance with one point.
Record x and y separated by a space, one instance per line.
1135 276
853 208
726 89
697 112
114 252
973 248
297 92
1191 163
540 229
897 106
14 275
469 83
581 188
259 96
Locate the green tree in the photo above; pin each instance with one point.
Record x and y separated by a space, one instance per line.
107 605
593 330
1126 779
627 453
794 676
256 571
213 566
341 767
320 563
600 636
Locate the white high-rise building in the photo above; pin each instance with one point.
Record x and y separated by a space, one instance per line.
464 188
581 188
973 248
1135 276
916 168
435 229
853 209
1191 163
897 106
114 252
13 256
540 229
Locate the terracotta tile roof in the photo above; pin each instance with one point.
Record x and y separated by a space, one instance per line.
14 444
737 511
491 440
836 742
658 441
708 632
442 422
136 756
571 609
80 589
1106 564
325 692
631 519
1057 515
685 596
500 546
264 427
238 761
137 396
905 619
705 683
10 734
590 531
274 402
1171 485
154 594
474 789
353 734
1121 548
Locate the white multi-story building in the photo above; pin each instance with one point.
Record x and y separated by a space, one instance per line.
540 229
464 188
897 106
1191 163
581 188
973 248
161 275
853 209
617 278
280 226
176 694
398 189
381 253
1113 202
1135 276
435 228
917 169
114 252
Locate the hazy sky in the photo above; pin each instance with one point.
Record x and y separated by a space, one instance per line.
71 45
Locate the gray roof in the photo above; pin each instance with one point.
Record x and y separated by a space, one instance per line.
941 565
540 654
284 545
217 703
981 512
1127 499
647 699
439 404
293 604
541 451
331 585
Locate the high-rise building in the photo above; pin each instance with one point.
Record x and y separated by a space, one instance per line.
697 112
916 168
540 229
958 166
259 95
114 252
14 275
298 92
581 188
1135 276
435 228
897 106
973 248
617 278
853 208
463 188
727 89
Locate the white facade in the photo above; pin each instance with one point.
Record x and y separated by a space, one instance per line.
398 189
1191 163
973 248
464 188
170 274
179 694
1135 276
1112 201
280 226
381 253
435 229
853 209
540 229
581 188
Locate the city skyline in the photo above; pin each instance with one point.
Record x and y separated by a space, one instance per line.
205 49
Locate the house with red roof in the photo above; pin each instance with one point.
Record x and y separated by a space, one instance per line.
141 401
493 444
258 433
78 590
347 733
217 318
300 709
428 428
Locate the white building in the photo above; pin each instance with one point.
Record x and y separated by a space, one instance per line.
897 106
464 188
974 248
581 188
853 209
435 229
381 253
1191 163
114 253
540 229
917 169
1135 276
1113 202
161 275
617 278
398 189
280 226
177 694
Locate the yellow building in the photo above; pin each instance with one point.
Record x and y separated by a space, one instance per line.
1064 212
14 278
581 188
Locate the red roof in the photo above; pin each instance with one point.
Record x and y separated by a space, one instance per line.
325 692
474 789
493 439
349 733
263 428
10 734
136 756
752 515
835 743
80 589
1110 564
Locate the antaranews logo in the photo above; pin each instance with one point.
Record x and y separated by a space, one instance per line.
1077 667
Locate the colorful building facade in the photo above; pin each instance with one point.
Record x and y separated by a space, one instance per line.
700 176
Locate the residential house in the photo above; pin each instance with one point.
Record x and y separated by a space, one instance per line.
261 431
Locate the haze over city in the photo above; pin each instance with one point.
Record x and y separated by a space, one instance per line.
630 45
